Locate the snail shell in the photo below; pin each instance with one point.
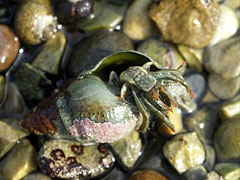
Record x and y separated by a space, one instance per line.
34 21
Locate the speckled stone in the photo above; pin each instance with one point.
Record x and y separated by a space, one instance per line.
224 58
71 160
223 88
184 151
213 175
9 46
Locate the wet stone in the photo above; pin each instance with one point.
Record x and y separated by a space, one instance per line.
175 118
19 162
9 46
196 173
223 58
95 47
70 159
106 15
2 87
223 88
187 144
137 25
10 133
162 52
128 149
32 83
13 104
117 175
210 157
49 58
227 140
230 109
197 82
191 23
147 174
228 170
228 25
36 176
193 57
203 121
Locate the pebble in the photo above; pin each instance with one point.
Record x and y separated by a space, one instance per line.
36 176
147 174
10 133
229 171
184 151
223 88
49 58
2 87
137 25
224 58
227 140
213 175
196 173
9 45
19 162
162 52
128 149
203 121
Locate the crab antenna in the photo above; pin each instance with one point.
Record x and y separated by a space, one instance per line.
160 114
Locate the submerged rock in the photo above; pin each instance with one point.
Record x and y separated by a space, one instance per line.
147 174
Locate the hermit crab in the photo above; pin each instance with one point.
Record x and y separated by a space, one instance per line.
96 107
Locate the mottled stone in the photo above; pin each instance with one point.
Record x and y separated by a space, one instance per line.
227 140
228 25
229 171
203 121
230 109
175 118
128 149
70 159
147 174
223 88
137 25
10 133
13 102
49 58
188 22
184 151
196 173
9 46
95 47
19 162
162 52
106 15
193 57
32 83
36 176
224 58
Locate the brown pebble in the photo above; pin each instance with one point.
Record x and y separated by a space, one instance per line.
147 174
9 46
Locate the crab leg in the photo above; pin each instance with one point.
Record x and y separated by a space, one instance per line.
177 79
142 109
160 115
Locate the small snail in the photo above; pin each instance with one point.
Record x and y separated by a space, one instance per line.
34 21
